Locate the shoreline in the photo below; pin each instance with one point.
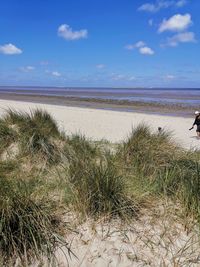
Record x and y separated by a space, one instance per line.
176 110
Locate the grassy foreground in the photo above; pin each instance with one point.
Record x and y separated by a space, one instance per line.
45 174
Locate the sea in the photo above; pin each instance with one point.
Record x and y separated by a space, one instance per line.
183 96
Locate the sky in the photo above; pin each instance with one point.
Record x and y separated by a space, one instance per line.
100 43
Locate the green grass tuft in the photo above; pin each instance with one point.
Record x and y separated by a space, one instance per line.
28 227
77 146
37 133
7 135
147 152
99 189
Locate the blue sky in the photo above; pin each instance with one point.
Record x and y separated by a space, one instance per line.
115 43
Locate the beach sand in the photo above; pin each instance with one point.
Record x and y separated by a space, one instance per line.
113 126
157 239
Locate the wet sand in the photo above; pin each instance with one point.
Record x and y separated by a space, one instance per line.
105 104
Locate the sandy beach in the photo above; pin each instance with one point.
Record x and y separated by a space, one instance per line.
113 126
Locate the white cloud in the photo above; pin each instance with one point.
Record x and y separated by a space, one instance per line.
139 44
184 37
177 22
161 4
56 73
67 33
146 51
136 45
142 48
10 49
148 7
100 66
27 68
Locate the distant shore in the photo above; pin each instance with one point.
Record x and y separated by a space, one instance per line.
105 104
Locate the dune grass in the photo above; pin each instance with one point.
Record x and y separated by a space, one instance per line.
83 178
29 228
78 147
37 118
7 135
97 186
157 166
146 152
99 189
8 167
37 133
181 181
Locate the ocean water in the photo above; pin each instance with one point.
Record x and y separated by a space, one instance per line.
183 96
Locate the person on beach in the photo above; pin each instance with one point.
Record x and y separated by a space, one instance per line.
197 122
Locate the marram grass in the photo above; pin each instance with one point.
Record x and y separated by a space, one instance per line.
146 152
162 167
99 189
29 228
7 135
36 132
96 182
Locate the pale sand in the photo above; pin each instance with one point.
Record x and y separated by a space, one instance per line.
113 126
157 239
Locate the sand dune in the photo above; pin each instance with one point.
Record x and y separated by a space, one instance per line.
111 125
158 238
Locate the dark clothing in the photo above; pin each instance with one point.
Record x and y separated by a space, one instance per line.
197 123
197 120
